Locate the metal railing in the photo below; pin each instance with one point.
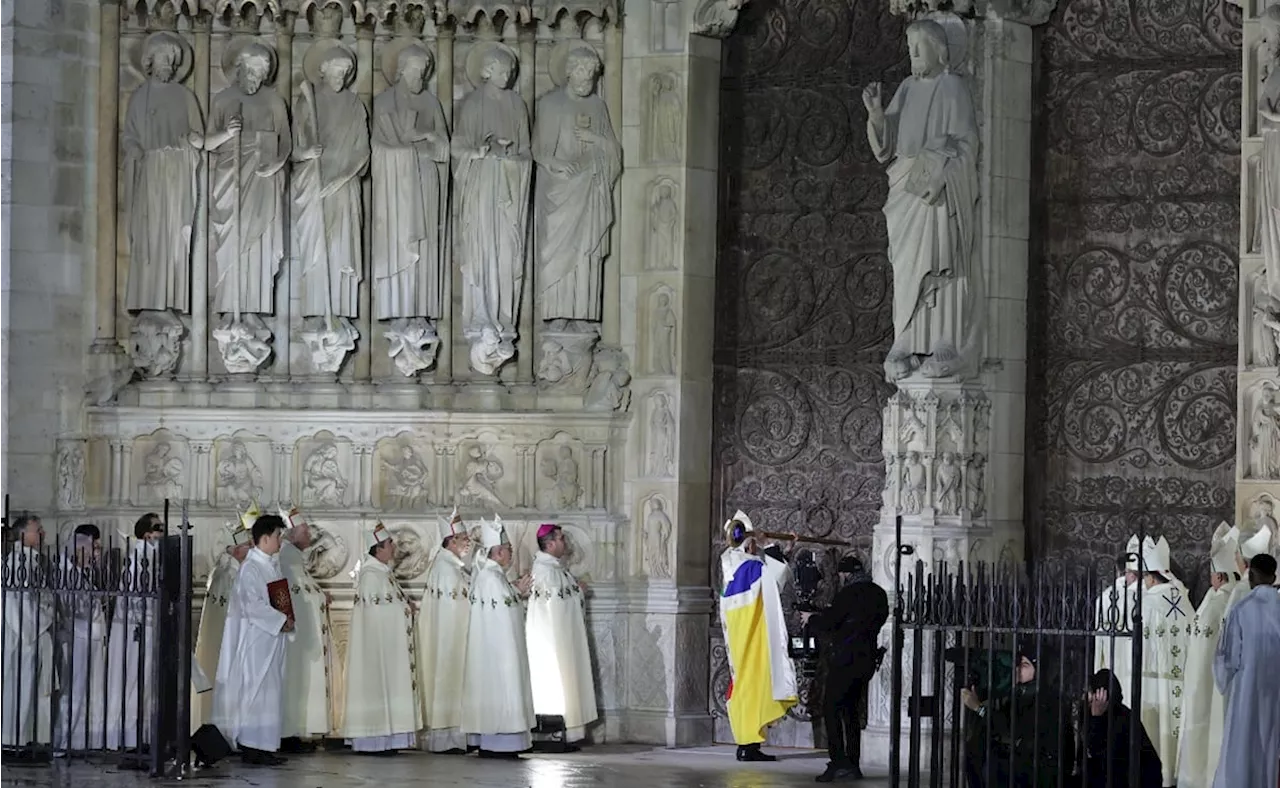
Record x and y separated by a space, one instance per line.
96 643
1023 654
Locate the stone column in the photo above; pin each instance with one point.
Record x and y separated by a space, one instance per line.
954 447
107 155
282 339
654 634
443 372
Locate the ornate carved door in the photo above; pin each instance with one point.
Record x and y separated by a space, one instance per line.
1132 385
803 314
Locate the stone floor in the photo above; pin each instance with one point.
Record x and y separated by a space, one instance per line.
611 767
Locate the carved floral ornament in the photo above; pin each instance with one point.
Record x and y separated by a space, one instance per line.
1027 12
401 16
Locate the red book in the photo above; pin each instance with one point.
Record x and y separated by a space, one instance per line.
279 596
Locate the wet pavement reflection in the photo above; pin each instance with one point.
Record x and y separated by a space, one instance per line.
616 767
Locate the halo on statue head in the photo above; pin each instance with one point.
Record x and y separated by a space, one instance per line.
558 62
238 45
476 56
391 57
321 52
186 55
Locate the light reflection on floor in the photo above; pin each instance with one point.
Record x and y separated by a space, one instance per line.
611 767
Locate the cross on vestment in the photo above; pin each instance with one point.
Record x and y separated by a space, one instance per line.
1175 605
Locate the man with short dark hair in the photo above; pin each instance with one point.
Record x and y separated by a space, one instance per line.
28 640
1245 671
249 690
848 631
133 640
82 638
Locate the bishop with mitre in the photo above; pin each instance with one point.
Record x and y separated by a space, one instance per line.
1115 610
306 657
1256 544
1204 709
763 683
249 688
443 622
380 712
213 613
556 632
497 703
1166 632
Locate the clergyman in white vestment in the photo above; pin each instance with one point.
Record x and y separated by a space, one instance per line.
1115 610
443 622
380 711
1245 669
497 705
249 688
306 660
556 632
1256 544
131 644
1166 629
213 613
1203 706
28 640
82 644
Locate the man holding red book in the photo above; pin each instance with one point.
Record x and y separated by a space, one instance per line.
248 691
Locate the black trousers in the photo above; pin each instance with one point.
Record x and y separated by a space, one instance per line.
840 715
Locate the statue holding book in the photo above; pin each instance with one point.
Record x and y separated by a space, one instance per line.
929 137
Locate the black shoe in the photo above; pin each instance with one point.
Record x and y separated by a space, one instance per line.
453 751
835 774
260 757
295 744
500 756
752 752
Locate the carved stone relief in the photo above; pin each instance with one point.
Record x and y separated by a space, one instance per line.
412 553
656 555
325 472
565 362
559 477
665 26
1263 441
662 333
660 439
71 471
328 553
480 472
1264 322
404 475
238 476
665 113
161 469
662 240
609 382
155 343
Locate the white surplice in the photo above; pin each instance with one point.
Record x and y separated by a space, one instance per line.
82 677
443 622
380 709
213 619
1203 706
497 705
1166 628
133 628
306 660
249 688
1246 671
1115 609
28 650
559 655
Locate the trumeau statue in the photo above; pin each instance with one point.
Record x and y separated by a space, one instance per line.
929 136
410 206
1268 183
492 176
249 135
579 159
162 139
331 152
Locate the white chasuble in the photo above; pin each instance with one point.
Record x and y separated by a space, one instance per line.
443 622
28 651
381 700
1203 707
248 692
559 657
306 655
213 619
1166 628
497 703
1115 610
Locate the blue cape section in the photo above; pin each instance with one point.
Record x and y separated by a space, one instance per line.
746 575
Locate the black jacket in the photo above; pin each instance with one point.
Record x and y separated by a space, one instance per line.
849 628
1116 728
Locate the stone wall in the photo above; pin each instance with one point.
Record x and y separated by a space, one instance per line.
1131 410
49 78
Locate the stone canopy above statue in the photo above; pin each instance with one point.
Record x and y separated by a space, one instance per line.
360 188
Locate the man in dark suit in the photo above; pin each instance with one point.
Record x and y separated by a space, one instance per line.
847 632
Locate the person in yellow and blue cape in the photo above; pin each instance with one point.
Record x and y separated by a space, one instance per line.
763 679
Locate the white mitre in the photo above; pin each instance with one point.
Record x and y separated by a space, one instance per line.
492 534
1131 551
451 528
1257 544
738 517
377 536
1222 552
1155 555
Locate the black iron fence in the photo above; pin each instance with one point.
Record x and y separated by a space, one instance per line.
96 644
995 679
